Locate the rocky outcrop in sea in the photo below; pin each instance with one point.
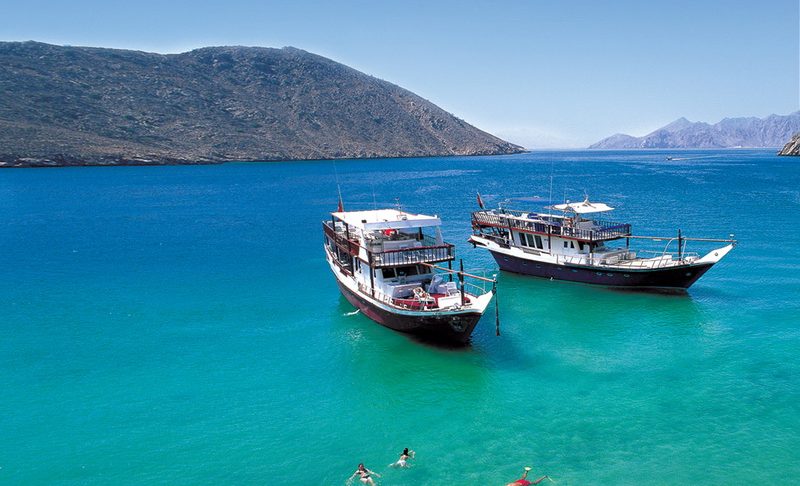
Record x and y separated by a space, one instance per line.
792 147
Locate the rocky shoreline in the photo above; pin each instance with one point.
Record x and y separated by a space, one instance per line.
72 161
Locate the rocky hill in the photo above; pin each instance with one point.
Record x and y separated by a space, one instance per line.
94 106
792 147
772 131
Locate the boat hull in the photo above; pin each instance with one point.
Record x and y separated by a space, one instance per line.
677 278
444 326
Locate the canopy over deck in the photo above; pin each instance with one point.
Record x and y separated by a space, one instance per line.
582 207
383 219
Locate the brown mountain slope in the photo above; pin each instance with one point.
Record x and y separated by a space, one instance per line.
94 106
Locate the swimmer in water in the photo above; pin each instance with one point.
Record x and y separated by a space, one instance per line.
365 475
404 457
523 481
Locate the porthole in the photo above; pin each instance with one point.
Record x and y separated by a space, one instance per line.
688 274
627 276
575 271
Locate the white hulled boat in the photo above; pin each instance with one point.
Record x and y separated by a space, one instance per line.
385 263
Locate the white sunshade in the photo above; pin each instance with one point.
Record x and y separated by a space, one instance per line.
383 219
583 207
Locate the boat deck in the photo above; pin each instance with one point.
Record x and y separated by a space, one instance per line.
584 230
627 260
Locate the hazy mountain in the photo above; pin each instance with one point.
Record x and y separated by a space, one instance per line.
79 105
772 131
792 147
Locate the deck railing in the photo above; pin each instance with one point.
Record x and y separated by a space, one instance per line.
627 259
416 303
340 239
408 256
518 220
431 253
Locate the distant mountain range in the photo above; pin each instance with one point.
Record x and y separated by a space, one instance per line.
95 106
772 131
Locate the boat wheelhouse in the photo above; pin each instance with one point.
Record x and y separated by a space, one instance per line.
388 264
573 246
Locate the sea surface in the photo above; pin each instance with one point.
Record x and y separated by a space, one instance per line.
179 325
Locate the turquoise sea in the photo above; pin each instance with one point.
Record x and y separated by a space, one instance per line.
179 325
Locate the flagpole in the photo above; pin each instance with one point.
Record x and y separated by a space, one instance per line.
340 208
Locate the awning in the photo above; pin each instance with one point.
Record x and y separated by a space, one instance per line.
582 207
383 219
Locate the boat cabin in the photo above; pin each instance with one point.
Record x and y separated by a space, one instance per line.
572 234
391 253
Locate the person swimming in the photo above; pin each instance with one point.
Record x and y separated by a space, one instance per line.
404 458
365 475
523 481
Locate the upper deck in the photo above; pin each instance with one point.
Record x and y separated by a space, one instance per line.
388 237
385 219
577 228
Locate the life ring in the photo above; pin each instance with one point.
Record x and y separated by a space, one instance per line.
390 232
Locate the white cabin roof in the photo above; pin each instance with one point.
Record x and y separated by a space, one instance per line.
382 219
583 207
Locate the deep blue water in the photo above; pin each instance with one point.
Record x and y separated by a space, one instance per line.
179 325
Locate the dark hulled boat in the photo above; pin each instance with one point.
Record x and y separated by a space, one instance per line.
385 264
569 246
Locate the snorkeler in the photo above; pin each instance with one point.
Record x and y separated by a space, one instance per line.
523 481
365 475
404 457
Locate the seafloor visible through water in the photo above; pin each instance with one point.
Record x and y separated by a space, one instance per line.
179 325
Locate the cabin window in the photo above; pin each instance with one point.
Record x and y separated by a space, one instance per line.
572 244
406 271
580 245
539 244
566 245
527 240
389 273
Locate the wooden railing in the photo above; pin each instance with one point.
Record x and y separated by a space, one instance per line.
424 254
518 221
390 258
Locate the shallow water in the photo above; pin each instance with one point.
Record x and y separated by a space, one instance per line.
179 325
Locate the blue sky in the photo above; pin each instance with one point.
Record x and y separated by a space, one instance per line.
544 74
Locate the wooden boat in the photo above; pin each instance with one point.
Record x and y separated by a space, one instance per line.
385 263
